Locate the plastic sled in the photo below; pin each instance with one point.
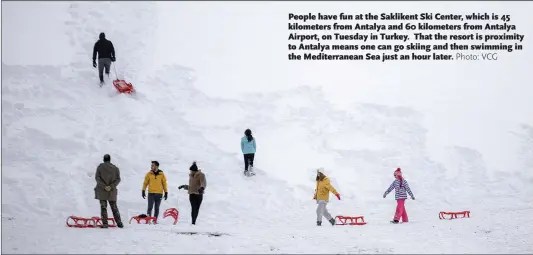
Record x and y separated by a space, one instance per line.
123 87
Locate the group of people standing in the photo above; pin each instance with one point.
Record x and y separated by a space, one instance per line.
108 177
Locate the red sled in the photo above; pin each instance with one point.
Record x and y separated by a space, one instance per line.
145 218
93 222
453 215
350 220
172 212
123 87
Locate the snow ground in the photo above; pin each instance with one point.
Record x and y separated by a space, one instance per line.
57 123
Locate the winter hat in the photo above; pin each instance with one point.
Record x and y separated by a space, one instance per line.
102 35
321 170
193 168
398 172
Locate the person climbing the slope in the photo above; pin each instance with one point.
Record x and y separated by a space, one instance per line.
107 178
400 186
156 181
248 148
106 55
323 188
196 188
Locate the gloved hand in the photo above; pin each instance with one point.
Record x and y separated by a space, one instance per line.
144 195
181 186
314 197
94 63
113 58
166 195
201 190
338 196
384 195
107 188
413 198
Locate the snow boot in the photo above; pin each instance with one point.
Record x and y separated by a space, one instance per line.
332 221
319 223
394 222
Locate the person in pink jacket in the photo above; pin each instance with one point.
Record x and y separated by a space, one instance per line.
400 186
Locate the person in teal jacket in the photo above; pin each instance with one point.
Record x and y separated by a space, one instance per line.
248 148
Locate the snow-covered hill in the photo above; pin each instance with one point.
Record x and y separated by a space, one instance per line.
195 99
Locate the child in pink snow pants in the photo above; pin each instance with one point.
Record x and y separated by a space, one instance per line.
400 186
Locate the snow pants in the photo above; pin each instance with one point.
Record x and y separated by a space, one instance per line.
322 211
400 211
103 63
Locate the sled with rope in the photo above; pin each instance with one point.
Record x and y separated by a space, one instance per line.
121 85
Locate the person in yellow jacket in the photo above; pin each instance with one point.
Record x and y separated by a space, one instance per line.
156 181
323 188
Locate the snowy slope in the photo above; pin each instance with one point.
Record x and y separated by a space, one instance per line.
57 123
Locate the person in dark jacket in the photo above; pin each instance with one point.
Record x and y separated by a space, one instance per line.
196 187
106 55
107 179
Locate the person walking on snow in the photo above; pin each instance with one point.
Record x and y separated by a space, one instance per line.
196 188
107 179
323 188
106 55
156 181
248 148
400 186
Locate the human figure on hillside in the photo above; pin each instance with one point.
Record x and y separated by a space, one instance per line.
106 55
248 148
156 182
107 179
400 186
196 188
323 188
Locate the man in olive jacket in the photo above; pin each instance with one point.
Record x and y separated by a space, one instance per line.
107 178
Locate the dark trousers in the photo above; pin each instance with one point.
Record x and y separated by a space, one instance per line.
154 199
103 63
248 160
196 201
114 209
